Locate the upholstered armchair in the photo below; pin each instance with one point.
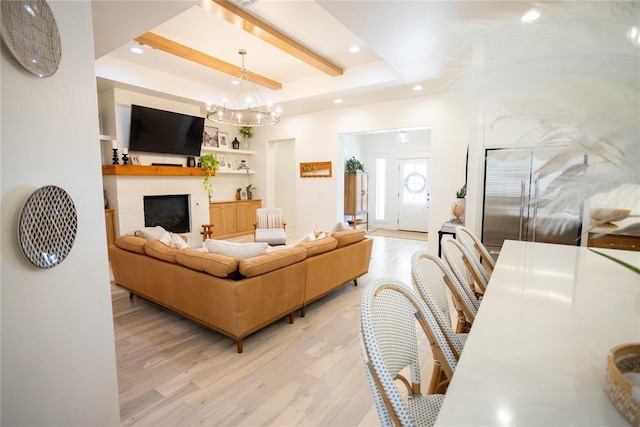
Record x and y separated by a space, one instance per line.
270 227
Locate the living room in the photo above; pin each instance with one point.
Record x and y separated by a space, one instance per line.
58 355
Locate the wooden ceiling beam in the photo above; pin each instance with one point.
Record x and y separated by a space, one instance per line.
239 17
166 45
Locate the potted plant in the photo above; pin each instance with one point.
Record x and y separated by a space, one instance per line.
459 204
246 133
210 164
353 165
250 189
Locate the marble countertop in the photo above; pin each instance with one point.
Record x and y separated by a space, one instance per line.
536 354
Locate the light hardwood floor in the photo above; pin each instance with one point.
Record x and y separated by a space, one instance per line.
172 371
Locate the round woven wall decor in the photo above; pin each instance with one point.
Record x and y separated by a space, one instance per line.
30 32
47 227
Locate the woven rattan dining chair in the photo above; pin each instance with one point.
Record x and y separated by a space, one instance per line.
479 253
389 311
458 260
435 282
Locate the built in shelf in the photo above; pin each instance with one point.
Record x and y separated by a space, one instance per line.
226 150
151 170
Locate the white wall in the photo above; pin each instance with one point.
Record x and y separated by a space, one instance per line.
57 359
318 138
331 135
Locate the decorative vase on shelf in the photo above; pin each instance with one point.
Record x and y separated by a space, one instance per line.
457 209
244 144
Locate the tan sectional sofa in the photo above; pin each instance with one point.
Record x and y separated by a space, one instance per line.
238 297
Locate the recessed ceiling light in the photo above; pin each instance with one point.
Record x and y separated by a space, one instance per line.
338 101
530 16
136 49
235 82
417 87
354 49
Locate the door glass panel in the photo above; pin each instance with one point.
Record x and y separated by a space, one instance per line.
381 173
414 176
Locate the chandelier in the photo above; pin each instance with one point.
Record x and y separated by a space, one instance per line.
247 108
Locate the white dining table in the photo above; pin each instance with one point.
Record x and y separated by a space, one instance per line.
536 354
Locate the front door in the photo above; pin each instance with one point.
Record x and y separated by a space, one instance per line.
413 194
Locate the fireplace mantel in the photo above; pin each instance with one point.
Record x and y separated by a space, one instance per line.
151 170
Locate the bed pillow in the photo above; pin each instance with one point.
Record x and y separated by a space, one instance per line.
236 250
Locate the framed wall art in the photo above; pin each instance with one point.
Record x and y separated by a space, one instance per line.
222 159
315 170
210 136
223 140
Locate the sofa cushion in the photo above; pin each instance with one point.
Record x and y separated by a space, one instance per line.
157 249
131 243
348 237
319 246
236 250
214 264
267 262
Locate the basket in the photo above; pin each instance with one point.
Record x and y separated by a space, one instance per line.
621 392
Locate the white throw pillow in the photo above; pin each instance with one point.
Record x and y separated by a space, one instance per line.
177 242
341 226
166 238
321 235
151 233
236 250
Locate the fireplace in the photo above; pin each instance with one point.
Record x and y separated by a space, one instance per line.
171 212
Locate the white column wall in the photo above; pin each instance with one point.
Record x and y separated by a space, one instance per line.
57 359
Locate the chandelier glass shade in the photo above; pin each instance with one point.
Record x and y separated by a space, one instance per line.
245 108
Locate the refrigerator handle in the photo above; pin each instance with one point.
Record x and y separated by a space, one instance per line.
535 208
521 209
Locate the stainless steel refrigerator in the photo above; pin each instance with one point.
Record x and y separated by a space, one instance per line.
516 204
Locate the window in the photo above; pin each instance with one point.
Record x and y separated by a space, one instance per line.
381 173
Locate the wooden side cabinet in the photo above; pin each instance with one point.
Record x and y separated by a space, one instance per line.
356 198
111 228
233 218
614 241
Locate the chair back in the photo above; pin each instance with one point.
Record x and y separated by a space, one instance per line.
458 260
481 256
389 310
434 280
269 218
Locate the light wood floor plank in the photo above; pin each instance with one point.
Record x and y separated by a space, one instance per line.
173 372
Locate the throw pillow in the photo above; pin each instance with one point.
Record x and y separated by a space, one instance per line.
310 237
341 226
236 250
151 233
177 242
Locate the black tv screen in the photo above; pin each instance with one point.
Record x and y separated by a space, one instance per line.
166 132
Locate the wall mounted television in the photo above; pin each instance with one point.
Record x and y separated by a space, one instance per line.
158 131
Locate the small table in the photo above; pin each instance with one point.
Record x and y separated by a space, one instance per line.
441 233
